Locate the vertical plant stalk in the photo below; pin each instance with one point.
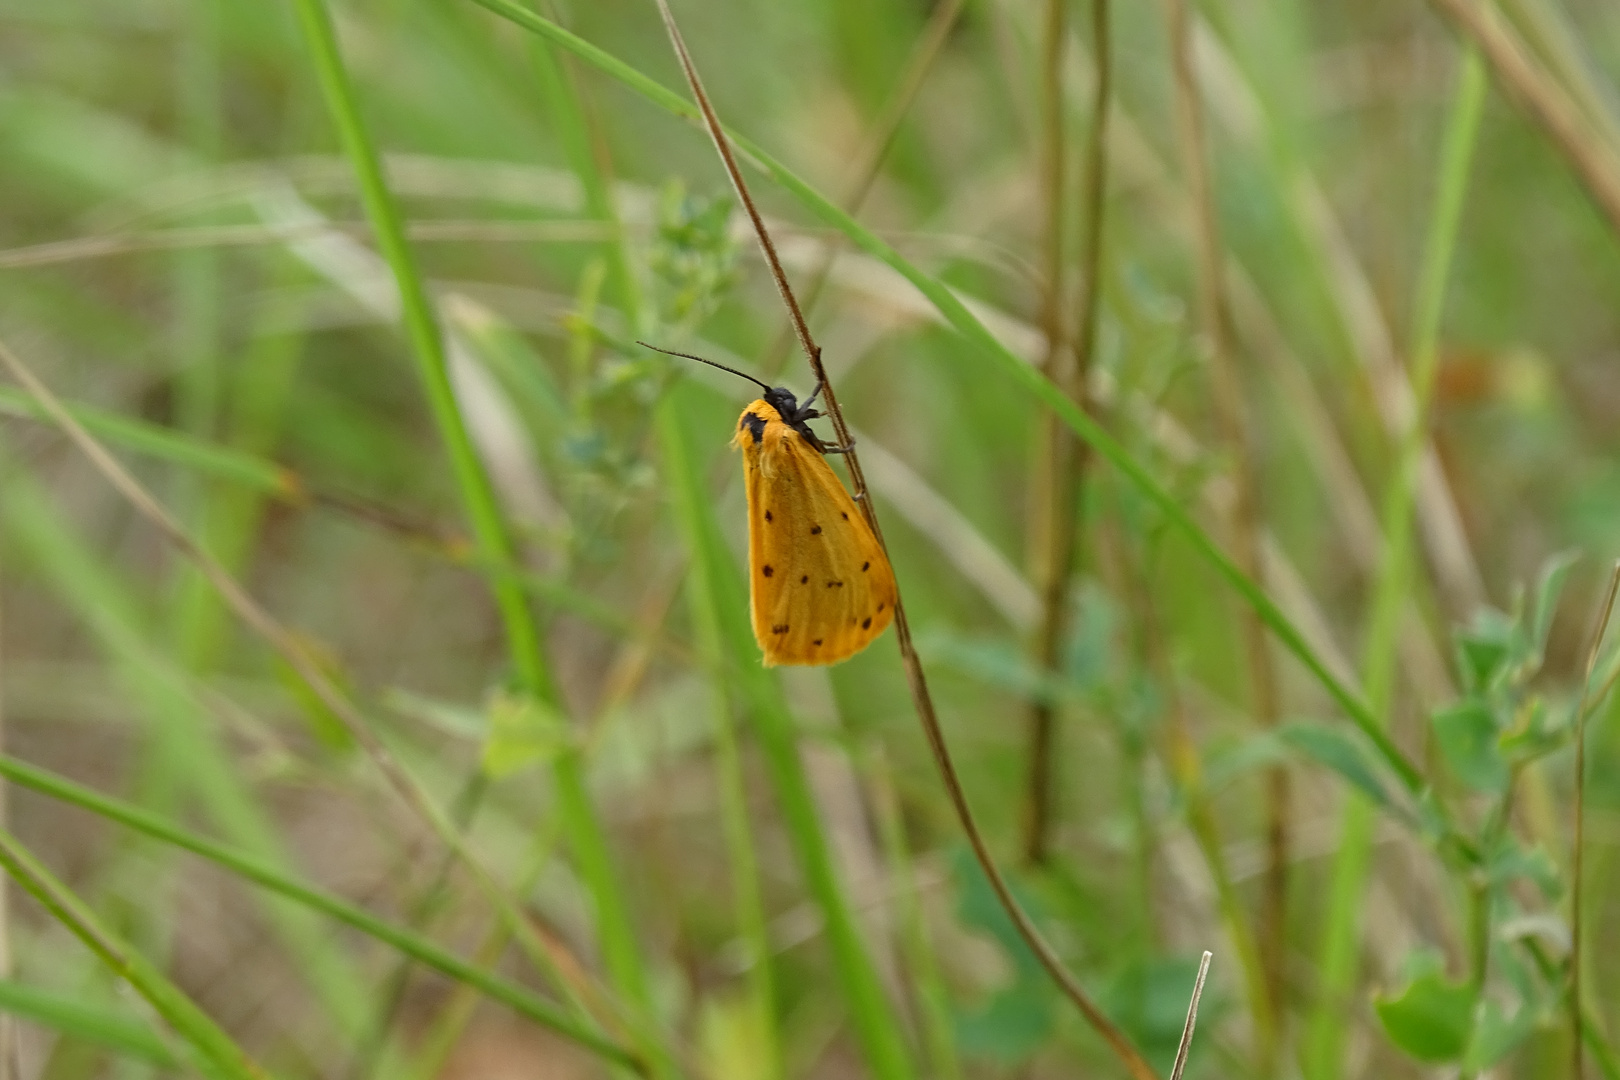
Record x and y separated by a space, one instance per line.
1116 1039
1324 1038
205 1038
1185 1047
587 840
1050 442
1578 1060
1051 502
1235 423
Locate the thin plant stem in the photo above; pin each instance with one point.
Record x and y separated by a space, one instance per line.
1048 958
1052 440
1578 1062
1594 160
1325 1028
1185 1046
1233 417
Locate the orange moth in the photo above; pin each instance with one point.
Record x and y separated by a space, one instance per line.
819 585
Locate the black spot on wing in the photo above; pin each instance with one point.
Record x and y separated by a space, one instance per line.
804 579
866 566
767 571
867 625
781 629
755 424
767 515
835 584
815 530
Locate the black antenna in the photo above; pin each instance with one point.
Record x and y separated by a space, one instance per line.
699 359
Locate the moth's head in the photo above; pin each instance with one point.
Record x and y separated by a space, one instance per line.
782 400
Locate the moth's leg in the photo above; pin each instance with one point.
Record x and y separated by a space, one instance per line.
846 448
805 411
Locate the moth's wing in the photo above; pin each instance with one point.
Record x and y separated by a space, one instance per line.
821 586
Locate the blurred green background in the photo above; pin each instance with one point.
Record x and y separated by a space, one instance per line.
490 782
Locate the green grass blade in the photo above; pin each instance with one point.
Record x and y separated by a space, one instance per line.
521 1001
161 692
587 840
75 1018
166 444
1326 1030
216 1051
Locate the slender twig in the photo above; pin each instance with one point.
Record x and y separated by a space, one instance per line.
1579 1062
1044 953
1216 321
1591 157
1192 1018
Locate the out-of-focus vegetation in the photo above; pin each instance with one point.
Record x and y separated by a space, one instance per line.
480 776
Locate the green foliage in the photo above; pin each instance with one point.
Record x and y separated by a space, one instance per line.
352 288
1432 1018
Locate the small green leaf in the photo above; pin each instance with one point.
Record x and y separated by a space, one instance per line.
1467 735
1543 605
1485 648
523 731
1432 1020
1339 750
